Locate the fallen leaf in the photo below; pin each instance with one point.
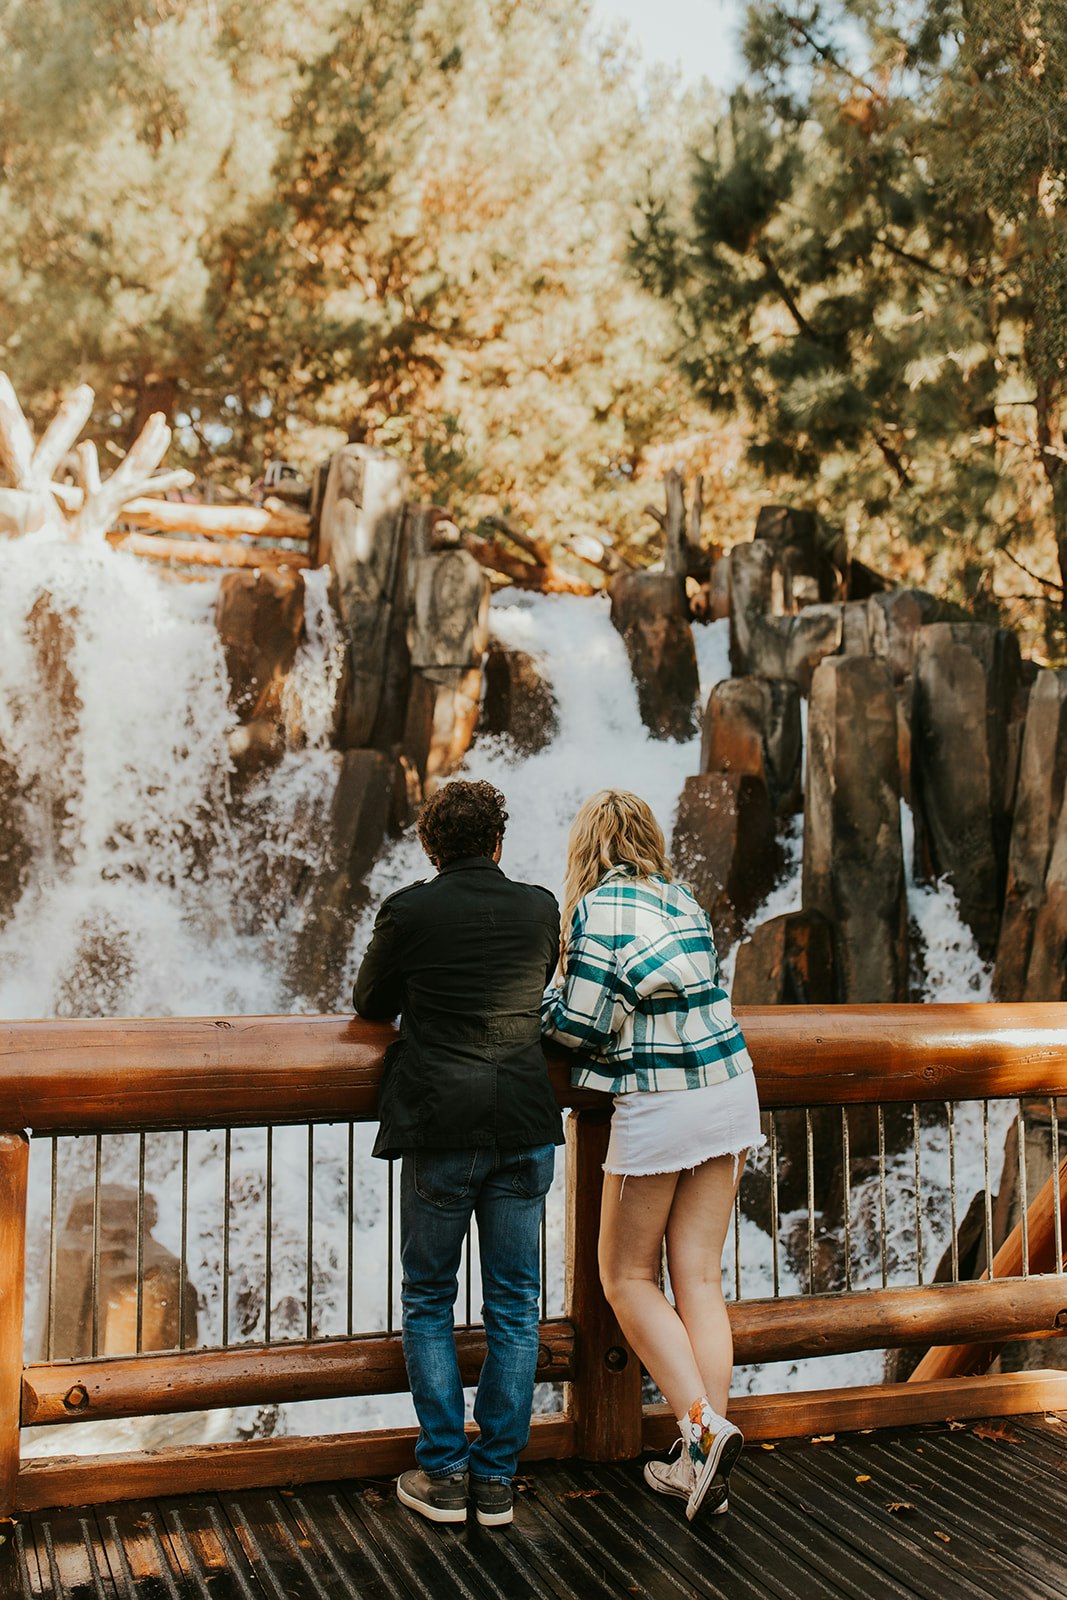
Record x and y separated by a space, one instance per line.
995 1430
946 1537
955 1426
900 1506
1050 1416
823 1438
864 1477
766 1447
581 1494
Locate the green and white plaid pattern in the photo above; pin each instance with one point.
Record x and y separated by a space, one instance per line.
642 1000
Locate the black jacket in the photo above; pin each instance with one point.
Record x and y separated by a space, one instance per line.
464 959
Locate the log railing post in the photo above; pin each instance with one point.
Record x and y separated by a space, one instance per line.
14 1168
604 1400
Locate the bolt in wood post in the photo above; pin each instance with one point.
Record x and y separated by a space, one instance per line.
14 1168
604 1400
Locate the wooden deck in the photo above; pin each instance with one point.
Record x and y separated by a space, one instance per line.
946 1510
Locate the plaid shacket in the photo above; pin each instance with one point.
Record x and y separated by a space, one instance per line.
642 998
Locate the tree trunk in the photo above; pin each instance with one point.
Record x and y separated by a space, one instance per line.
155 391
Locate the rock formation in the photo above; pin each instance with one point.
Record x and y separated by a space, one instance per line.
651 612
517 704
724 847
752 725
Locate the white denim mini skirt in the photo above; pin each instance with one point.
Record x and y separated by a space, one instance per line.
673 1130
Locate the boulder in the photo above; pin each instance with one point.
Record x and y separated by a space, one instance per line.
853 869
719 590
359 817
442 714
894 622
725 848
802 553
518 704
16 853
755 592
752 725
1046 972
651 612
360 535
765 641
447 634
787 961
1039 803
967 677
259 616
52 636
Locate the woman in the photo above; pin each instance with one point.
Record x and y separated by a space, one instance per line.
640 995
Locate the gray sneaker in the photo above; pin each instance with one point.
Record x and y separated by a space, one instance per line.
494 1503
439 1499
675 1474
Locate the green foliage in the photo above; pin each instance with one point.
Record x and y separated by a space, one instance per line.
872 263
292 223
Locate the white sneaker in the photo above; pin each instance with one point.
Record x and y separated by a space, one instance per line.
677 1475
725 1446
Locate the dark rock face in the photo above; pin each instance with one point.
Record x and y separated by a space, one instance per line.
894 621
260 620
1038 810
763 640
447 634
802 555
363 804
1046 973
361 537
853 857
650 610
752 725
16 853
518 704
788 961
967 677
724 847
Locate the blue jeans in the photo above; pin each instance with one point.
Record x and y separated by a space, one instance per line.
505 1191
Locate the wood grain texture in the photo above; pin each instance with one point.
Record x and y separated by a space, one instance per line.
194 1380
812 1412
249 1464
93 1075
14 1169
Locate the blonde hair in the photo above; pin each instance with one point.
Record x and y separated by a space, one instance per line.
612 829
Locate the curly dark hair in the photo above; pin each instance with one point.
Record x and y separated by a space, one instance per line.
462 819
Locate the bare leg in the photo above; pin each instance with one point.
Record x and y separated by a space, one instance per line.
696 1232
633 1220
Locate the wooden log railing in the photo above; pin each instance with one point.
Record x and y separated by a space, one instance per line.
78 1077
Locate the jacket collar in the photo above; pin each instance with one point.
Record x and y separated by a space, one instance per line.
465 862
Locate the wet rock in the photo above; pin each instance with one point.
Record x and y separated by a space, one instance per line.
752 725
967 677
802 554
853 870
355 829
260 621
787 961
361 537
651 612
52 637
719 590
518 704
856 629
164 1290
1038 807
755 590
16 852
95 983
1046 972
447 635
894 621
725 848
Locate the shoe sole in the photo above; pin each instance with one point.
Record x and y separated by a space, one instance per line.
660 1487
430 1512
494 1519
718 1465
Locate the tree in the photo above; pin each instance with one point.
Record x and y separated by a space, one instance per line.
871 262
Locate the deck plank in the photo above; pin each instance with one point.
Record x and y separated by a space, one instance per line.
806 1522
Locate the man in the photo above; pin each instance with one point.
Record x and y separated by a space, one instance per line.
466 1101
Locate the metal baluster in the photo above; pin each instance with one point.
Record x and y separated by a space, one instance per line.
226 1148
988 1194
737 1248
309 1287
467 1276
950 1112
881 1196
183 1249
1024 1198
544 1264
846 1162
53 1247
389 1246
1057 1215
811 1199
774 1204
918 1196
96 1247
351 1222
140 1244
268 1270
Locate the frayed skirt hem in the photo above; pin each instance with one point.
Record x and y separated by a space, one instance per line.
746 1149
